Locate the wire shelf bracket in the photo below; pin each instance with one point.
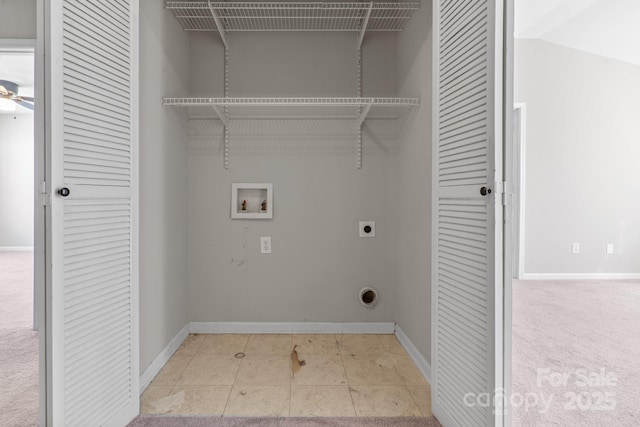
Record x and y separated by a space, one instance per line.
221 115
219 25
363 114
365 22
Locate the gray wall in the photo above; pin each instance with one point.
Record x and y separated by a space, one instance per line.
412 186
583 146
18 19
16 180
319 263
164 70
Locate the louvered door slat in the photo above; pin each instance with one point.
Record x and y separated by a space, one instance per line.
102 287
466 110
462 148
97 142
92 151
99 117
467 26
463 55
458 379
465 281
93 49
76 73
78 233
105 107
471 66
94 65
90 84
84 331
464 356
101 24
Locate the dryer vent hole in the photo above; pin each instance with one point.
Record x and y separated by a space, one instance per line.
368 297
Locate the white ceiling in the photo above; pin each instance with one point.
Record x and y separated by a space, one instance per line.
608 28
18 67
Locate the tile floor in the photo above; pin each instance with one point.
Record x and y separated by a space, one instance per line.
343 376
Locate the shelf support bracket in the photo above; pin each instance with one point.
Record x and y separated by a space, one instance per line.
223 118
363 30
219 25
363 114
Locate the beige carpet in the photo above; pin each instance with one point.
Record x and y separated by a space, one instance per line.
164 421
577 346
18 343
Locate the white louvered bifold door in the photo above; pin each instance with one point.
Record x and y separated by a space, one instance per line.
467 215
92 323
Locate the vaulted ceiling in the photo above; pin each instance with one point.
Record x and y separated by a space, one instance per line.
608 28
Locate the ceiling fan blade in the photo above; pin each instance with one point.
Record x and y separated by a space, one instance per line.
3 90
25 104
25 98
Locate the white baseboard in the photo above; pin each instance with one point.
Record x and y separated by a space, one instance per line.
291 328
414 353
581 276
149 374
16 248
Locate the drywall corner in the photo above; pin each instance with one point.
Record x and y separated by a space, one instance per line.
416 355
412 186
164 68
162 358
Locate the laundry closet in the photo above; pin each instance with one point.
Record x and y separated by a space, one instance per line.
336 120
272 167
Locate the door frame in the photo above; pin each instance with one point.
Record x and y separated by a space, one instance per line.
508 168
519 159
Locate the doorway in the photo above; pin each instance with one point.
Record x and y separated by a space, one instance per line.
19 315
575 313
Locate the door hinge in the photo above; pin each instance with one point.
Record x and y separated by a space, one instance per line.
44 197
507 194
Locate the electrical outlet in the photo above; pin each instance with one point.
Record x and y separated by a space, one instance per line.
576 248
609 248
265 245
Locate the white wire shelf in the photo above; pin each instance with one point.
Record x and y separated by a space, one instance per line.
292 16
358 109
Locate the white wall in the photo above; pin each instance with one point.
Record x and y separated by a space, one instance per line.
319 263
16 180
412 186
583 146
164 70
18 19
